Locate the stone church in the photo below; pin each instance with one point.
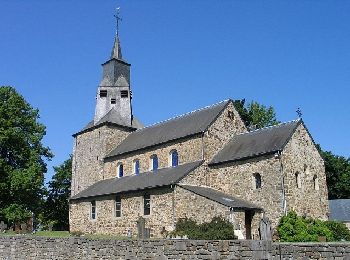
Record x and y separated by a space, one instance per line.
198 165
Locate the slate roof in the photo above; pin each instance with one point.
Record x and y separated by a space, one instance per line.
339 210
160 178
188 124
222 198
112 117
259 142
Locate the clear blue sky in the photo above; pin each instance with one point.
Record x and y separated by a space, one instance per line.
184 55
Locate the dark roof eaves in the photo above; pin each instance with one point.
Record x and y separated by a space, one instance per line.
102 124
120 60
244 158
151 146
184 187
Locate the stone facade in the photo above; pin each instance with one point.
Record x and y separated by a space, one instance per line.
89 150
301 157
45 248
189 150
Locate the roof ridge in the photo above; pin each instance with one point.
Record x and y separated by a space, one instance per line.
271 126
183 115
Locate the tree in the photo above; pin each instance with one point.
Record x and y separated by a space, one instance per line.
256 115
56 205
337 174
22 157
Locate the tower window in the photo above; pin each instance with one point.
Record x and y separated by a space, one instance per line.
113 100
174 158
154 162
118 206
124 94
136 166
93 209
103 93
146 204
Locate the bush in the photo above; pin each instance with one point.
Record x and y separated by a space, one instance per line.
339 230
293 228
218 228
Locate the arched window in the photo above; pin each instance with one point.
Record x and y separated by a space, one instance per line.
316 186
256 181
137 166
154 162
306 170
297 180
174 158
120 170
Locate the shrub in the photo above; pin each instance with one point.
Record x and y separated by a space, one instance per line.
217 228
339 230
293 228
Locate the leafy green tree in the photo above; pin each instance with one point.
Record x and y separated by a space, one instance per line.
337 174
256 115
56 205
22 156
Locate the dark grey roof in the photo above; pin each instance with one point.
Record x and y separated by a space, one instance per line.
259 142
339 209
162 177
112 117
192 123
220 197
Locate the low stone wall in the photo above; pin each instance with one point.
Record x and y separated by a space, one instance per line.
29 247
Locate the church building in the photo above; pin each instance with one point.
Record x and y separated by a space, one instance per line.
199 165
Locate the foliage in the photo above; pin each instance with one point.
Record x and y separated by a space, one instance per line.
15 212
293 228
338 175
22 156
339 230
56 205
256 115
217 228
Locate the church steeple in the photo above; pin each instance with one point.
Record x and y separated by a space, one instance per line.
117 50
113 99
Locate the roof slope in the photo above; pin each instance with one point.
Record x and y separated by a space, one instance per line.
191 123
112 117
262 141
163 177
220 197
339 209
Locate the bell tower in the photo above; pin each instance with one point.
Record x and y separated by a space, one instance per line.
113 94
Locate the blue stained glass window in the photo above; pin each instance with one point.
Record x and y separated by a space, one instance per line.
137 167
120 170
154 162
174 158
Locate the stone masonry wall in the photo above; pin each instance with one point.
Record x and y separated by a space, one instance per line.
301 156
228 124
237 179
189 150
45 248
89 150
132 208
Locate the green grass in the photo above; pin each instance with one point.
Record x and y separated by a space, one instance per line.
52 233
66 234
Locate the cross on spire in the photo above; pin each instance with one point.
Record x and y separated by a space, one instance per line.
300 114
118 18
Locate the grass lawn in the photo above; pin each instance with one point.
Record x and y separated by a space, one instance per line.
65 234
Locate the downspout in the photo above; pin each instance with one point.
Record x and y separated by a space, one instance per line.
173 205
284 201
203 147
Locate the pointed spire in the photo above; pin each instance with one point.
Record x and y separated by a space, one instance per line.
117 50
